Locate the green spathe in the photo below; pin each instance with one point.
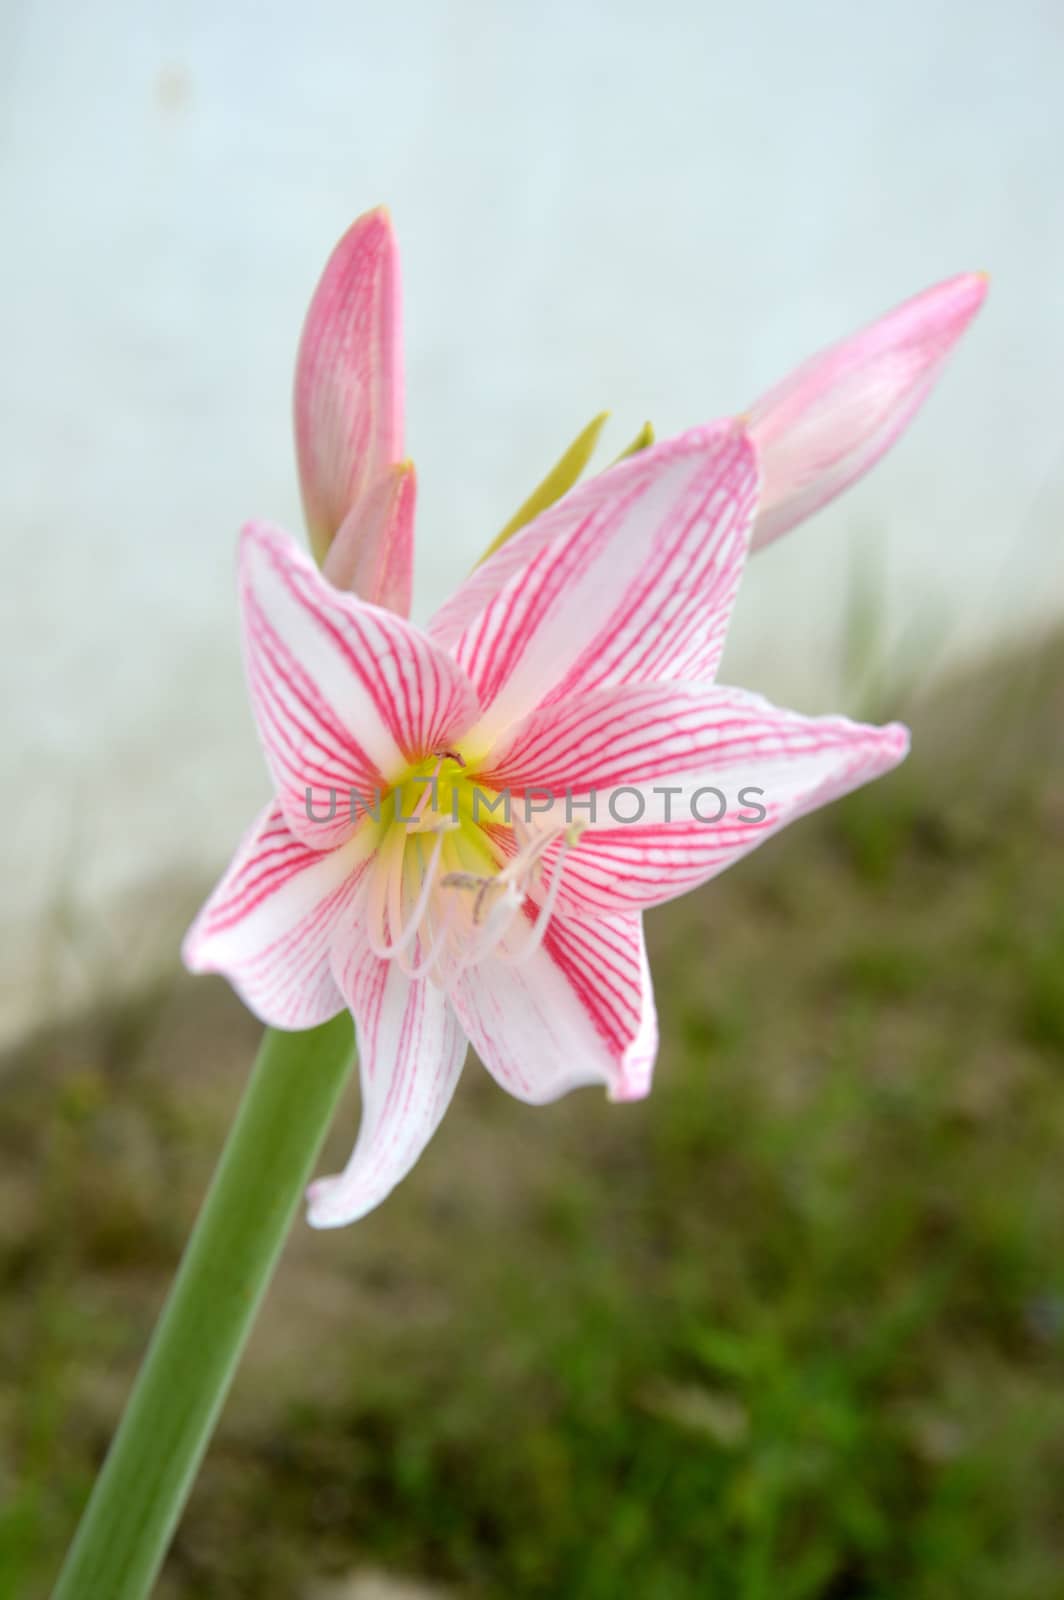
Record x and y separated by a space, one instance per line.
563 475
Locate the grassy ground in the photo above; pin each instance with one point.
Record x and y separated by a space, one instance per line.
793 1328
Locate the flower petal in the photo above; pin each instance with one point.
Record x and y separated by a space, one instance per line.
373 552
579 1010
698 755
346 696
630 734
630 577
349 377
411 1050
269 924
833 418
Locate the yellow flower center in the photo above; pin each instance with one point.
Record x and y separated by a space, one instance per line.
455 864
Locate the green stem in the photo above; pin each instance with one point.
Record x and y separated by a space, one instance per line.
228 1262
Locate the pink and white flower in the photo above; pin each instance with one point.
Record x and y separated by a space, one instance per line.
578 662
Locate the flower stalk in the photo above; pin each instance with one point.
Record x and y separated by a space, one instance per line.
227 1265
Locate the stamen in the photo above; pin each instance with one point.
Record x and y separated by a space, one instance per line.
546 910
489 932
439 938
392 888
512 885
376 896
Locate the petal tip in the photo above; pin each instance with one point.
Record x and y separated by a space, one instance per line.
968 291
373 227
888 743
258 539
256 531
323 1209
897 740
192 958
634 1083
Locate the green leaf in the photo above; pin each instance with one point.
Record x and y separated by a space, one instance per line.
559 480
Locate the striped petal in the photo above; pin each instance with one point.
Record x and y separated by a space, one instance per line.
579 1010
349 379
710 774
631 734
269 925
833 418
373 552
411 1050
346 696
630 577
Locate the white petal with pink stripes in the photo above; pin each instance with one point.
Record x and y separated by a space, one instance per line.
579 1011
705 773
584 665
270 923
346 696
630 578
411 1049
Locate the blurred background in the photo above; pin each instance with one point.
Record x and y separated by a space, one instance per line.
794 1327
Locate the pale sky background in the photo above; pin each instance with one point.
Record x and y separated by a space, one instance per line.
652 209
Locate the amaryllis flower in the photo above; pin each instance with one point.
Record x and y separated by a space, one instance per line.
470 819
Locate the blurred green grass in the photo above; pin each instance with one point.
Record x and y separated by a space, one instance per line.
793 1329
